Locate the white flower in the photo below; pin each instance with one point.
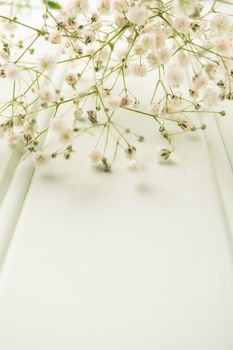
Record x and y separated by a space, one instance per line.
4 54
174 104
120 21
160 39
188 7
96 156
114 102
199 81
55 37
119 5
164 55
12 138
133 164
126 101
175 75
80 6
71 79
40 158
155 108
222 45
139 70
65 135
152 58
29 128
89 36
148 41
46 95
138 15
103 55
139 50
46 61
183 59
182 24
104 6
212 97
220 24
11 71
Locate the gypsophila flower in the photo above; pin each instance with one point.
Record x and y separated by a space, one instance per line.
71 79
5 54
12 138
41 158
212 97
114 102
55 37
46 95
96 156
138 14
139 70
119 5
182 24
133 165
65 135
175 75
46 62
79 5
104 6
89 67
11 71
220 24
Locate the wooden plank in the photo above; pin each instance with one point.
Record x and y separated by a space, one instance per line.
121 260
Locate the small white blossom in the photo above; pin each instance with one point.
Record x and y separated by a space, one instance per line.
4 54
120 21
182 24
119 5
175 75
164 55
220 24
222 45
155 108
199 81
183 59
40 158
65 135
212 97
96 156
46 95
46 62
148 41
187 7
139 70
55 37
71 79
152 58
12 138
114 102
89 36
79 6
138 15
133 164
11 71
104 6
30 127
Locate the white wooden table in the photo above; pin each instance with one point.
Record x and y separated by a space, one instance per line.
124 260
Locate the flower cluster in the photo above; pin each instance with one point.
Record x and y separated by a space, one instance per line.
181 49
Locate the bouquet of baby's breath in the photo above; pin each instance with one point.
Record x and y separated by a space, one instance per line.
181 50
